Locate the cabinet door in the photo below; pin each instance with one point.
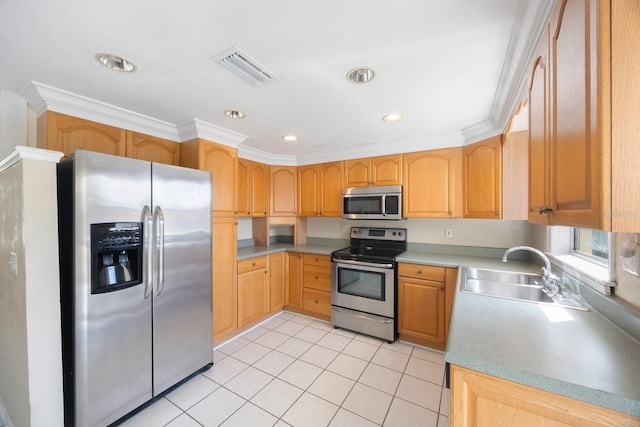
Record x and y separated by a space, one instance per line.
386 170
421 309
67 134
253 296
539 128
308 190
357 173
221 162
330 189
482 180
276 280
225 237
259 187
152 149
433 184
282 182
575 145
293 291
481 400
242 183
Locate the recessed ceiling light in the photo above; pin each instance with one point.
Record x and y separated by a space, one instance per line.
361 75
116 62
235 114
393 117
290 138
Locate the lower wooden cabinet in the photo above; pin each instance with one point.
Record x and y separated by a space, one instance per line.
225 295
276 280
253 289
424 306
316 284
481 400
308 284
293 282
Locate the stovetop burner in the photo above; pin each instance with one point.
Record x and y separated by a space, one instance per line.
374 244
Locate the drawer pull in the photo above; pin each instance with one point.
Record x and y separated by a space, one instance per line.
419 272
316 277
316 300
253 264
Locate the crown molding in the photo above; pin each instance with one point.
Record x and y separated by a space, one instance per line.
382 148
479 131
531 19
29 153
197 128
41 98
256 155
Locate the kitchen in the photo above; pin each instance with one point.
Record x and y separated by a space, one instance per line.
465 232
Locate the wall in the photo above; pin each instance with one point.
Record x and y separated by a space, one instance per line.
466 232
13 122
628 285
30 341
14 375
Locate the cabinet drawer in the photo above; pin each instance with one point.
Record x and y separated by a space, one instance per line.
316 277
316 301
418 271
252 264
319 260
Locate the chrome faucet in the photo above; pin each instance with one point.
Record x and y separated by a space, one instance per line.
550 282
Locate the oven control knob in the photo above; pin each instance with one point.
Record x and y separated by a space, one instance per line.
394 233
400 233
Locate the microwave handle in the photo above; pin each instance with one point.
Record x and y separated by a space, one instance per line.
384 205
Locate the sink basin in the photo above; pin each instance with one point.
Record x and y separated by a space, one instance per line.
514 285
507 290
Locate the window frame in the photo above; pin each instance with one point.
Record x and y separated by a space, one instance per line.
601 261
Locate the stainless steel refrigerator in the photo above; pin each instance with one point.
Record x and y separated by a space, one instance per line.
135 269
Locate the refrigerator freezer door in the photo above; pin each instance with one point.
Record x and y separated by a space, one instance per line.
182 309
112 330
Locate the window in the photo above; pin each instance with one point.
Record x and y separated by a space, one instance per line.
591 244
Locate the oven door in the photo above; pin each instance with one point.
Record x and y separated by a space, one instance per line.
363 286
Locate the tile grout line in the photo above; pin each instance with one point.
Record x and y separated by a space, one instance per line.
351 336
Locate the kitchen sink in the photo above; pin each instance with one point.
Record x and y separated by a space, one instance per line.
515 285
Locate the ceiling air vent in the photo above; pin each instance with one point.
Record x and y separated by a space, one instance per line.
245 67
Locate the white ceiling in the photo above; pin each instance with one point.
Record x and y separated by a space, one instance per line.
453 68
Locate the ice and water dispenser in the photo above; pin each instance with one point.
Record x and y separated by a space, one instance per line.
116 256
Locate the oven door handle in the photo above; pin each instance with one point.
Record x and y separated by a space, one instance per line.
361 263
384 205
362 315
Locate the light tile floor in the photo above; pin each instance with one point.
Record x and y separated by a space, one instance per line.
293 370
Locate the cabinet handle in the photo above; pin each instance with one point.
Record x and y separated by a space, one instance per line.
265 272
253 264
450 213
545 210
316 301
496 213
419 272
316 277
442 288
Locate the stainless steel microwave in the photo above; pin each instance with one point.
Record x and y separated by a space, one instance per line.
372 202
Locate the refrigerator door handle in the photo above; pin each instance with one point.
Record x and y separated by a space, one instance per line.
147 270
158 219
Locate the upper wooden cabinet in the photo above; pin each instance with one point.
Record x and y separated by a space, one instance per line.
539 122
433 184
153 149
252 188
591 130
64 133
282 194
243 192
381 170
221 161
259 187
482 179
320 189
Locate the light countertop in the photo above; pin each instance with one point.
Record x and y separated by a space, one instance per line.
578 354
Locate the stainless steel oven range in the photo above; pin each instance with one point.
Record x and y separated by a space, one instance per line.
364 282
